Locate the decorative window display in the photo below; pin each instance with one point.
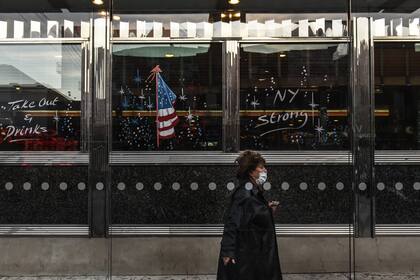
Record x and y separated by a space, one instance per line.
40 95
294 97
167 97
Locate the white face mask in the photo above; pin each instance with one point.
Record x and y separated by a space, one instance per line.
262 178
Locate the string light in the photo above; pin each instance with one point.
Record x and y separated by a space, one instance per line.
231 14
233 2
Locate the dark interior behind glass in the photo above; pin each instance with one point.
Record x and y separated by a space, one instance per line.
397 96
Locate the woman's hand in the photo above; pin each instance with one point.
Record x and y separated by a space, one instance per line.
226 260
273 205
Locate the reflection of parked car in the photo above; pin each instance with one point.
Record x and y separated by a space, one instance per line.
6 121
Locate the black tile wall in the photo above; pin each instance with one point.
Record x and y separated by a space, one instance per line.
205 206
397 194
38 206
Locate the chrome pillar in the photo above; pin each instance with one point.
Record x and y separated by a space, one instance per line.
86 89
362 113
230 104
98 138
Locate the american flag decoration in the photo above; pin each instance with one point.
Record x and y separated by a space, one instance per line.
166 117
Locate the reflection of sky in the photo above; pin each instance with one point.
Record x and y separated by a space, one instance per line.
53 65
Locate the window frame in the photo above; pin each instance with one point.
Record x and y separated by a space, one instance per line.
80 157
230 114
400 157
119 156
310 153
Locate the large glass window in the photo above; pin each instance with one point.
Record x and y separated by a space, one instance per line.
294 97
40 95
185 80
397 95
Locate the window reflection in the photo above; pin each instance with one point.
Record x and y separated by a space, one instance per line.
40 95
297 25
162 25
397 99
189 89
294 96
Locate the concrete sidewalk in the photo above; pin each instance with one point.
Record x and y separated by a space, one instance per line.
329 276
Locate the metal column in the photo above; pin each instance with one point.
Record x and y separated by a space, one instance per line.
362 112
230 104
98 139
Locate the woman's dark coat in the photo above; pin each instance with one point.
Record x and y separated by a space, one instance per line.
249 237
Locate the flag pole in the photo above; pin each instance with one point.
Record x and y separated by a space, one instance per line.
157 110
154 74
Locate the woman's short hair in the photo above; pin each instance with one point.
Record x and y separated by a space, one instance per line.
248 161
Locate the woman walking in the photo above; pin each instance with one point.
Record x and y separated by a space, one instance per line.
249 246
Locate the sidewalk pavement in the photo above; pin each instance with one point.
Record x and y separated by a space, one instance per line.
330 276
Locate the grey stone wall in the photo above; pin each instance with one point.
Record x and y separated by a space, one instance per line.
196 255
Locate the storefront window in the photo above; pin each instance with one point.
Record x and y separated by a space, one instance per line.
40 95
397 98
294 97
185 80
